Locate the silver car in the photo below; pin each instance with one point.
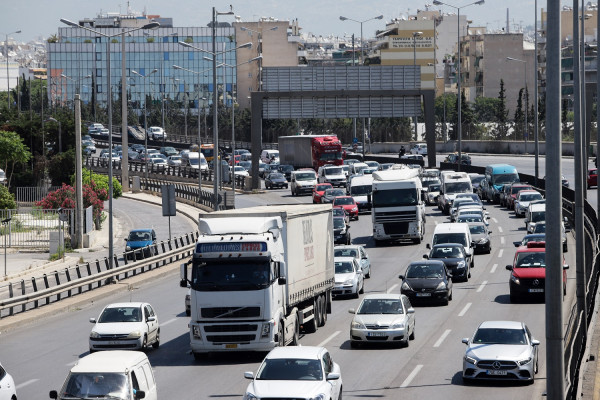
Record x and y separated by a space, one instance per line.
359 253
349 279
383 317
503 350
174 161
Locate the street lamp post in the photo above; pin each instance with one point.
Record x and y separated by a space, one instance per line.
145 120
459 96
151 25
362 59
7 76
526 127
415 35
5 222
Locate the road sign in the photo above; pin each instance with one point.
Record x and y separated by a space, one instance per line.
355 140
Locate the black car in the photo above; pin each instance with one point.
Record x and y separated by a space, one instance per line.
456 259
341 233
138 147
427 280
286 170
275 180
268 169
168 151
331 194
532 237
480 234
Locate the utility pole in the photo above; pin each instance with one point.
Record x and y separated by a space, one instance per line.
78 176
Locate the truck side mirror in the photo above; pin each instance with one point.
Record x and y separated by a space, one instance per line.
183 282
281 280
140 394
53 394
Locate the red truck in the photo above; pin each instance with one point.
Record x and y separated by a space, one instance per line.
310 151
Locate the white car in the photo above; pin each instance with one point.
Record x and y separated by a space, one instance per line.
156 133
419 148
174 161
383 317
523 199
359 253
7 386
240 171
104 132
296 372
349 279
125 326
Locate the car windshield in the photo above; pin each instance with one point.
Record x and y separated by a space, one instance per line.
344 267
334 192
306 176
290 369
446 252
458 187
140 236
539 228
333 171
425 272
531 260
120 314
96 386
339 212
381 306
343 201
276 176
230 276
322 188
476 229
441 238
538 216
530 196
175 158
477 179
286 168
329 156
395 197
501 179
339 223
469 218
434 187
361 190
345 253
499 336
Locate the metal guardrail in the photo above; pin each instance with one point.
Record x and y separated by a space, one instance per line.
33 293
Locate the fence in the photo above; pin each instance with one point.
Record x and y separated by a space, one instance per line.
31 228
27 196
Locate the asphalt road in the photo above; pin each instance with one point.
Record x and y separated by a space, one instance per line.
39 356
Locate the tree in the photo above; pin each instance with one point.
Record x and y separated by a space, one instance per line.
501 119
519 117
485 109
7 199
12 152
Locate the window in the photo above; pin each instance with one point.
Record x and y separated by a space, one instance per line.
98 56
166 56
98 72
98 88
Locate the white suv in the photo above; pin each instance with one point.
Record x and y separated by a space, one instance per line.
156 133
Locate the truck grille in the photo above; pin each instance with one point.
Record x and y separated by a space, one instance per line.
230 328
230 312
395 216
395 228
230 338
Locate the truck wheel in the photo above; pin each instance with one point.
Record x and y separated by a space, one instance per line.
323 309
280 335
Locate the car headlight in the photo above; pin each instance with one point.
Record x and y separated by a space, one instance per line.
515 279
349 281
127 248
441 286
94 335
250 396
461 265
320 396
470 360
526 361
483 240
355 209
134 335
357 325
406 286
397 325
196 332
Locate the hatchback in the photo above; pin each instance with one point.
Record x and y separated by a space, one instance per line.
427 280
592 178
349 204
319 191
349 279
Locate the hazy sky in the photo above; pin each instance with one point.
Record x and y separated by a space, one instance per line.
41 17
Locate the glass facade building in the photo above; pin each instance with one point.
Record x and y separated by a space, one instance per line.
77 62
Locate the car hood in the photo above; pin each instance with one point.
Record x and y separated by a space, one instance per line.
115 328
306 183
524 204
379 319
341 278
423 283
361 199
278 180
450 261
530 273
136 244
287 389
335 176
478 236
498 351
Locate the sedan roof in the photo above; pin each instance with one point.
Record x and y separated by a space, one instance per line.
302 352
501 325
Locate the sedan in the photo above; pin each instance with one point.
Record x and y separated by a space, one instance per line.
331 194
319 191
427 280
296 372
240 171
349 279
168 151
349 204
524 198
501 350
592 178
388 318
480 234
532 237
7 386
341 231
359 253
340 212
174 161
275 180
125 326
456 259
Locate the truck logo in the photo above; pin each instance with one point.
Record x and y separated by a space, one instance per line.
307 231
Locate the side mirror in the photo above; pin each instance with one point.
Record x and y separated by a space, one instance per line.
281 280
126 239
566 266
249 375
53 394
535 342
150 319
140 394
465 340
509 267
352 311
428 246
93 320
425 256
183 283
410 311
333 376
401 277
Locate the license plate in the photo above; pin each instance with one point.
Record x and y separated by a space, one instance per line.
113 343
376 334
494 372
423 294
231 346
536 290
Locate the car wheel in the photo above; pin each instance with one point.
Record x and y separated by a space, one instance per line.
369 274
412 334
156 343
450 295
405 342
324 309
513 298
356 217
467 381
468 275
188 312
446 301
296 338
144 343
312 325
362 288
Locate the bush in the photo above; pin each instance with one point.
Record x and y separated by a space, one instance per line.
100 183
7 199
65 198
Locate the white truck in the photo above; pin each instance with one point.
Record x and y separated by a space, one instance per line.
258 276
397 209
452 184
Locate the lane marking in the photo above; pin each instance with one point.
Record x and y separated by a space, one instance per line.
480 288
500 253
502 240
412 375
464 310
441 339
493 268
168 322
324 342
22 385
495 220
500 229
391 289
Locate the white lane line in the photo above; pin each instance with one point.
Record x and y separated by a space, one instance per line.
480 288
500 229
324 342
22 385
500 253
441 339
493 268
168 322
495 220
391 289
502 240
412 375
464 310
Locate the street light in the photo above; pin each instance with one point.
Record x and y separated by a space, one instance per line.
151 25
145 120
361 33
7 77
525 133
459 97
414 36
5 222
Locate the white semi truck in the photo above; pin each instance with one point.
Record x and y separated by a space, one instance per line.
258 276
397 209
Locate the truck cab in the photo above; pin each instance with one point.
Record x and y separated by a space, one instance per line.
452 184
332 174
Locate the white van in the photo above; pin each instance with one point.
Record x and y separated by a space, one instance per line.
333 174
121 373
457 232
535 213
361 188
268 155
302 181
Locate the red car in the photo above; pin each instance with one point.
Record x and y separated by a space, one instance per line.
592 178
237 159
319 191
528 271
514 191
348 204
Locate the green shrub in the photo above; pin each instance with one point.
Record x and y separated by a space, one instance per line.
7 199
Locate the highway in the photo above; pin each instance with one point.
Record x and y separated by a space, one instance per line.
39 356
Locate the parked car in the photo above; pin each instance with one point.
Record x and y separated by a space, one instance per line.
456 259
501 350
132 326
275 180
592 178
319 191
349 204
349 279
427 280
140 243
383 317
359 253
341 232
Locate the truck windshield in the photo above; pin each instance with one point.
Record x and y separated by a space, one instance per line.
361 190
538 216
501 179
331 156
225 276
96 385
459 238
458 187
333 171
395 197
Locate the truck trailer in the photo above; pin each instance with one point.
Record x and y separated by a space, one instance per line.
310 151
259 276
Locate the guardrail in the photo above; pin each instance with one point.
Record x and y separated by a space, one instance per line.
38 291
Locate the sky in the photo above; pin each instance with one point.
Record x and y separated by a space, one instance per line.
37 18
